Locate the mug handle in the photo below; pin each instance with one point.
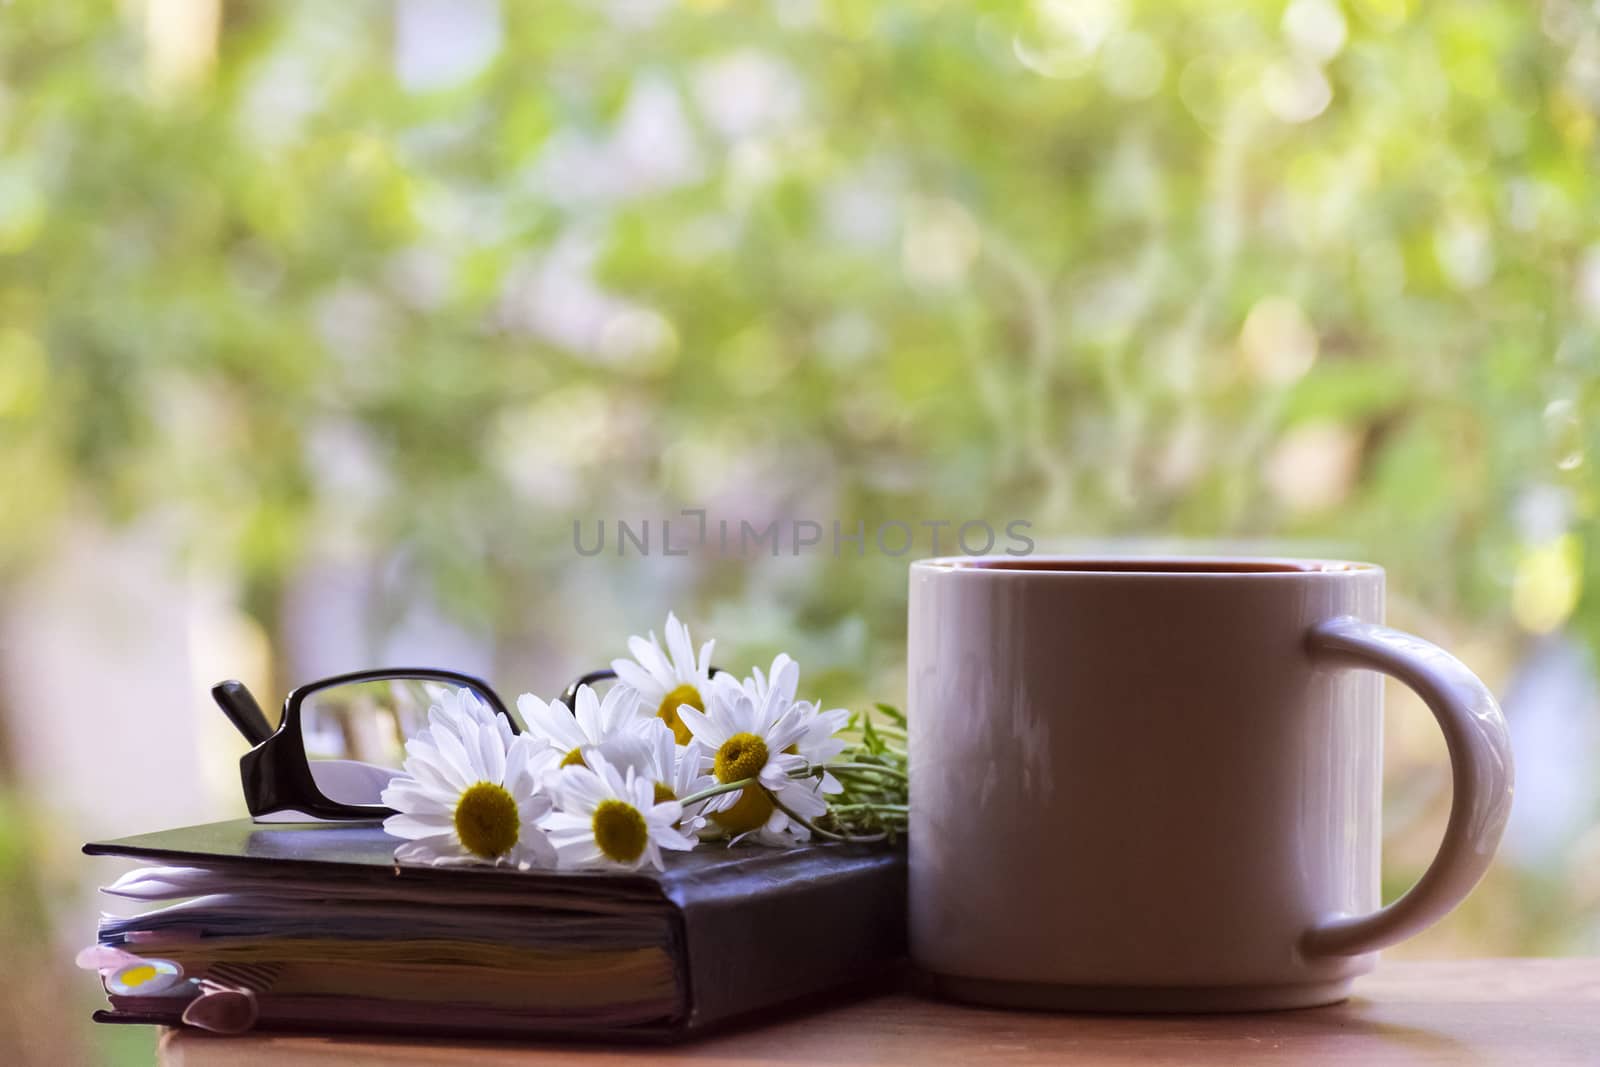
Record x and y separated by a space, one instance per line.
1480 763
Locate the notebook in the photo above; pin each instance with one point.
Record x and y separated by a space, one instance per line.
329 934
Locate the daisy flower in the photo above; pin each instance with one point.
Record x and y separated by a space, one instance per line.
610 818
676 770
819 743
591 722
466 796
665 680
751 740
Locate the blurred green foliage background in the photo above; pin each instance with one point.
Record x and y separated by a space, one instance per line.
405 290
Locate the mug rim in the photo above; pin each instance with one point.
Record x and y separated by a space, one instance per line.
1106 566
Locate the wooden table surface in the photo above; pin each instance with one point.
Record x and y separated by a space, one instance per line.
1532 1013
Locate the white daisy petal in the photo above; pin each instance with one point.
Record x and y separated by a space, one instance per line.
586 710
417 826
834 719
424 849
564 821
405 794
688 762
606 772
648 653
728 718
579 789
785 732
491 753
681 651
636 678
521 776
665 813
726 688
640 790
534 807
425 764
580 852
456 757
773 708
534 850
801 800
664 750
668 837
703 727
552 722
617 712
440 719
631 751
781 683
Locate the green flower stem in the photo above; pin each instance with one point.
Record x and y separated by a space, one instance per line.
899 808
875 768
860 839
716 790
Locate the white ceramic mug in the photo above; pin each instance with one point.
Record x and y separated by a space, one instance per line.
1154 785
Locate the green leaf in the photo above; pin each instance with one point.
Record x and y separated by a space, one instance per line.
892 712
869 736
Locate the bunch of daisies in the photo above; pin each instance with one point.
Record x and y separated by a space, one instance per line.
671 756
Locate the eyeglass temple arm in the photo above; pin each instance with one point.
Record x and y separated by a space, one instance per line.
242 710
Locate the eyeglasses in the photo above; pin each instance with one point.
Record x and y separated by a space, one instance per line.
340 740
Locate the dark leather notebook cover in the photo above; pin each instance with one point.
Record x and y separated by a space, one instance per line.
759 927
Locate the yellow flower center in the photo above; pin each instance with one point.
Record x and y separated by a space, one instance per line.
741 756
136 976
664 793
667 712
573 759
486 820
619 830
751 811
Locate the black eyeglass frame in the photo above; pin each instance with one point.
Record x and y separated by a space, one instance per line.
276 773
